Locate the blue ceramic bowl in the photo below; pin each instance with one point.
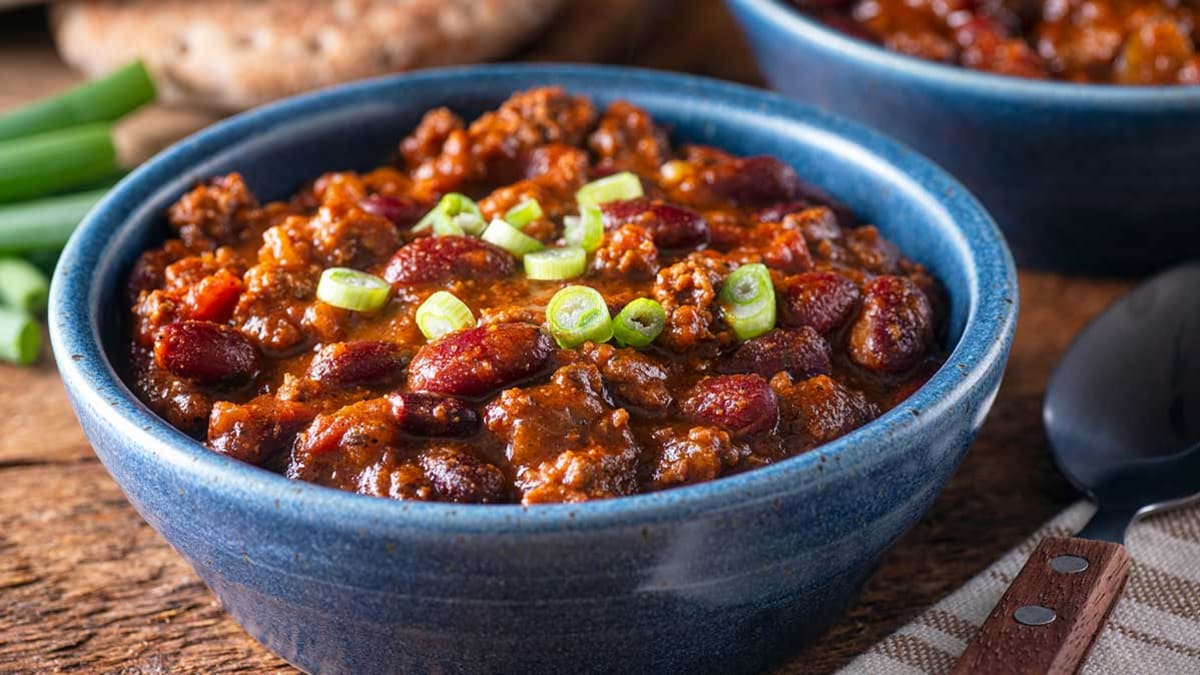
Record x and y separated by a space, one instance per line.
1082 178
727 576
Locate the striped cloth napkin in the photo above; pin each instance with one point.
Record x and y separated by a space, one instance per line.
1154 629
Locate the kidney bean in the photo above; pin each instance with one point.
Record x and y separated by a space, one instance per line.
206 352
743 404
754 180
775 212
425 414
670 226
460 477
801 353
822 300
443 258
404 213
358 363
480 360
895 327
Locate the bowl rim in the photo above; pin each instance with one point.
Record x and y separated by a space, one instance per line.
94 384
993 85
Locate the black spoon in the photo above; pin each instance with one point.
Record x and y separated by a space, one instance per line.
1122 413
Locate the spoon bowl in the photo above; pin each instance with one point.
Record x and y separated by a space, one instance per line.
1128 389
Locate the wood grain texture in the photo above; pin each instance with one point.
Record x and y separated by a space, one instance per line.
86 585
1081 603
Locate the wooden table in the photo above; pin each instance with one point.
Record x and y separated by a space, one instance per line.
86 584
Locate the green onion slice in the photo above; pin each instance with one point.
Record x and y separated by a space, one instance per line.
614 188
455 213
556 263
638 323
747 301
585 230
578 314
443 313
524 213
510 238
20 337
352 290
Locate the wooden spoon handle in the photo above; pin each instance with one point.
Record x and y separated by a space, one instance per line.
1051 614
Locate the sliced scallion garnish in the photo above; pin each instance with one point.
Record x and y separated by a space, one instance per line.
747 301
585 230
524 213
614 188
510 239
556 263
443 313
353 290
639 322
456 212
578 314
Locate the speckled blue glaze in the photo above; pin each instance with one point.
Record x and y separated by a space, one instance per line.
1081 178
728 576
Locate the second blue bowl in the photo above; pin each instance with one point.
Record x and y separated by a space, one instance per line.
1081 178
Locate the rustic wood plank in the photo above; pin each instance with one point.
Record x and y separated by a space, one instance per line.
85 584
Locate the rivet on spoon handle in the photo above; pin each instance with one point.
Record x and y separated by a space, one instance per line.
1049 617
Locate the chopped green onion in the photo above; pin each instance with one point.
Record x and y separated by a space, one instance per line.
556 263
23 286
442 313
352 290
37 165
585 230
524 213
20 337
43 224
457 213
448 227
747 301
614 188
639 322
510 239
578 314
101 100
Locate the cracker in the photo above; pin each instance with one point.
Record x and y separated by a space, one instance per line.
233 54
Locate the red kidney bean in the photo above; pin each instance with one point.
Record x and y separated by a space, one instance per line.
895 327
743 404
404 213
480 360
206 352
754 180
358 363
460 477
424 414
443 258
822 300
802 353
670 226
